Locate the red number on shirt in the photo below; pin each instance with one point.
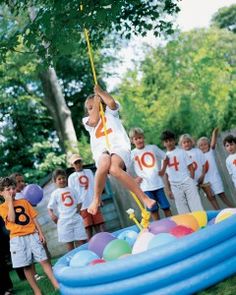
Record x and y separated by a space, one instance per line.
195 166
143 161
175 163
234 162
100 129
67 199
84 181
206 166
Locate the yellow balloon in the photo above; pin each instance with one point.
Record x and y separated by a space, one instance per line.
201 217
186 220
223 216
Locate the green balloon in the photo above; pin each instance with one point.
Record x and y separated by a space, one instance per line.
115 249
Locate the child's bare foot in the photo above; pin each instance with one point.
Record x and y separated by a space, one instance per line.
93 208
149 203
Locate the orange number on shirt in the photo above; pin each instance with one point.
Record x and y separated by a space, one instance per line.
84 181
175 163
195 166
143 161
100 129
206 166
66 199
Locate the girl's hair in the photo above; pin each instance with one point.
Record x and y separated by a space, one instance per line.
91 96
229 139
135 131
58 172
204 138
186 136
6 182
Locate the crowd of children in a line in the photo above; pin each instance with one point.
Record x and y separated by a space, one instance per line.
147 171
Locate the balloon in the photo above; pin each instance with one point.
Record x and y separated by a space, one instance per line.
161 240
83 258
115 249
97 261
212 221
99 241
201 217
161 226
186 220
142 241
224 214
33 193
129 236
180 231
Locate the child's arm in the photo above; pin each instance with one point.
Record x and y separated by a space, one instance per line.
40 232
202 176
106 97
11 217
52 215
191 170
79 207
163 168
94 115
214 138
167 186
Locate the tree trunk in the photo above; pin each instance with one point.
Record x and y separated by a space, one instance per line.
56 104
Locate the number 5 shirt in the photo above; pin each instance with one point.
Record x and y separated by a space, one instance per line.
24 215
231 166
65 200
147 163
82 183
116 133
177 168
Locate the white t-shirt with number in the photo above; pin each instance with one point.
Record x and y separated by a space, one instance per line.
147 163
231 166
65 201
197 156
212 172
116 134
83 183
177 168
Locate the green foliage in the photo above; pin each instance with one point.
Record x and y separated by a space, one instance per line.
225 18
187 86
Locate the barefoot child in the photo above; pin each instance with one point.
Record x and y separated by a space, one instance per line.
110 147
70 225
230 146
212 173
26 236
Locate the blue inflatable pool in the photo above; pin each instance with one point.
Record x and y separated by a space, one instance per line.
186 266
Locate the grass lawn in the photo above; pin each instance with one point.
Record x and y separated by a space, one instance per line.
227 287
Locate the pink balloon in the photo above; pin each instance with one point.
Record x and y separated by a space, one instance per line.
180 231
97 261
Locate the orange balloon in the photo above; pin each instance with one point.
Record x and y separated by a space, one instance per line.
201 217
186 220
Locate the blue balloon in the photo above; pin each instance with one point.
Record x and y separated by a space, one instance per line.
83 258
129 236
33 193
161 240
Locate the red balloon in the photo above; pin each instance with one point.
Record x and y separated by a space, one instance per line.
97 261
180 231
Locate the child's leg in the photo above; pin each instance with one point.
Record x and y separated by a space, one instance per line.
167 212
99 182
89 232
70 246
155 215
31 279
116 170
226 200
211 198
180 199
80 242
48 271
192 195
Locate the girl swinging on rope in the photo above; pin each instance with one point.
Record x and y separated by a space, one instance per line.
110 146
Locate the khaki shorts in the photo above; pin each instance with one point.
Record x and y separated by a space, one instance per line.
26 249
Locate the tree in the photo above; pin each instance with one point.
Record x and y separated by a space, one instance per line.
225 18
187 85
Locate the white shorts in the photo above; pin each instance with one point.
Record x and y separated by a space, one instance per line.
26 249
123 154
71 229
217 187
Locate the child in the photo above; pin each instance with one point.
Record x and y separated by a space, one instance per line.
110 146
82 182
230 146
198 158
212 173
179 170
20 184
70 226
146 161
26 236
